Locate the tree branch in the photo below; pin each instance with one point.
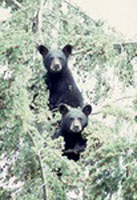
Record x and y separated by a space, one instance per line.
17 3
70 151
44 185
114 101
40 20
45 196
80 11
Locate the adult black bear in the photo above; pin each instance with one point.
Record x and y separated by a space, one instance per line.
60 82
73 122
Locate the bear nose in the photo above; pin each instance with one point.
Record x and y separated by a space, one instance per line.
76 128
57 67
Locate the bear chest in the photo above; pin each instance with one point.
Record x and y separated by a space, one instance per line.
71 140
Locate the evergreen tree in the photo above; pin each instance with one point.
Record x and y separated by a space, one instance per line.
105 69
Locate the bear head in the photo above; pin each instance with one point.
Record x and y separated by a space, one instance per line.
55 61
74 119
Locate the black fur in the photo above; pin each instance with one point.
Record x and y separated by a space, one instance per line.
74 142
59 79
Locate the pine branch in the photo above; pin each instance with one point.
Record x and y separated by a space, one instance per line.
113 102
40 20
44 185
71 151
17 3
80 11
45 195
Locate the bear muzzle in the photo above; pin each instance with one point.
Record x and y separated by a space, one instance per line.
56 65
76 126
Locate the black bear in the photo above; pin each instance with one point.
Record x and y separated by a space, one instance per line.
60 82
73 122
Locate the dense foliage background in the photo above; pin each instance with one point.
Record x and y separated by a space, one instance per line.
105 67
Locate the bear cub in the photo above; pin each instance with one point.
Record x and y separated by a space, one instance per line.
59 79
73 122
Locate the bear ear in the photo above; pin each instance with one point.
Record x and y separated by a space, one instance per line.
67 50
42 49
87 109
63 109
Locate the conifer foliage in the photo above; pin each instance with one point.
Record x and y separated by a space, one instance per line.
105 69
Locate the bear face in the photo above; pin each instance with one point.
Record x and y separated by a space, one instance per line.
75 119
55 61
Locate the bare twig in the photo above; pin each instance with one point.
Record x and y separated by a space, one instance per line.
77 8
123 98
82 51
114 101
70 151
45 196
44 185
40 20
17 3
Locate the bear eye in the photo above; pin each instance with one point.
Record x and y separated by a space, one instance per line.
79 118
60 58
71 118
50 58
